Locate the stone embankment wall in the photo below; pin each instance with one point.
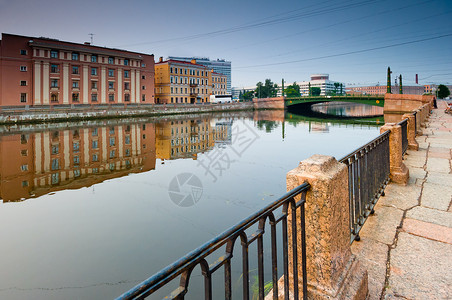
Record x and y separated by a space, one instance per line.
269 103
20 115
405 103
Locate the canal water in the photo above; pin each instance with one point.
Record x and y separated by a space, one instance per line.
88 210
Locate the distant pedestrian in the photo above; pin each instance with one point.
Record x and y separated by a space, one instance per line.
434 103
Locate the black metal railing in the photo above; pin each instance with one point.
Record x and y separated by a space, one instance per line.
404 125
368 175
198 257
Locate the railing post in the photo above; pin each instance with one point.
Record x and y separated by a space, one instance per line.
418 121
412 143
333 272
398 171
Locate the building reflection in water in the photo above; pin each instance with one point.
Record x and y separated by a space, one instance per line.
37 163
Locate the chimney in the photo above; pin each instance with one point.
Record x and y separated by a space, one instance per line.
161 59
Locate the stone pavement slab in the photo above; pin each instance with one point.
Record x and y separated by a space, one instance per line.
440 165
428 230
401 197
430 215
436 196
420 269
439 178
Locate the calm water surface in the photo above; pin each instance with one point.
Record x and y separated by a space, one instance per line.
88 211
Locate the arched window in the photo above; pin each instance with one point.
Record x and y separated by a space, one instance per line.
54 97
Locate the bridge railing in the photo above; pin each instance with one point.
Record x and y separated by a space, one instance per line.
404 125
368 173
198 257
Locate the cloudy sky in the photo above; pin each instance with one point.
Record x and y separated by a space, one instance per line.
352 40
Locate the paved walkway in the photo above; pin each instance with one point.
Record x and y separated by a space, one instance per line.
407 244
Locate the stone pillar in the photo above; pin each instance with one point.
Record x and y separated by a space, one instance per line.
398 171
411 132
333 271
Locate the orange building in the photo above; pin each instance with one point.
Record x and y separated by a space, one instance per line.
381 90
35 164
43 71
186 82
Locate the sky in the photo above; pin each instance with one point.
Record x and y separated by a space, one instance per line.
354 41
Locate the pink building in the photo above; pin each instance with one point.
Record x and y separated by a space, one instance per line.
43 71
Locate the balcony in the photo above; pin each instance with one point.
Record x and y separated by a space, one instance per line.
193 84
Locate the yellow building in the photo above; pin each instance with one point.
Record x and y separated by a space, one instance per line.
219 83
181 82
187 138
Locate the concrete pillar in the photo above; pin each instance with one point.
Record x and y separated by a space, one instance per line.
399 173
411 132
333 272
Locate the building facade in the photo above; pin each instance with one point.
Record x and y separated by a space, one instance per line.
43 71
186 82
381 90
322 81
220 66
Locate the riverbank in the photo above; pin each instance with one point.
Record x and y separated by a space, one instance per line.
406 245
64 113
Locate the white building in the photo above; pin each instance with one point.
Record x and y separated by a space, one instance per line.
322 81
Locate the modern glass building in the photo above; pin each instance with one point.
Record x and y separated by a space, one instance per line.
220 66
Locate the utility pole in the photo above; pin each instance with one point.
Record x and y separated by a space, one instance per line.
400 84
388 85
309 89
282 91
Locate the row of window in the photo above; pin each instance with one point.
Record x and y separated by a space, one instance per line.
54 83
175 90
54 97
190 71
94 58
183 80
181 100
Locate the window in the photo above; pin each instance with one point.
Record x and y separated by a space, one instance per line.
25 183
94 132
175 70
171 70
23 83
143 77
75 97
111 60
111 85
127 86
95 144
54 97
55 164
94 85
93 58
95 170
75 70
24 152
76 173
112 153
55 178
143 87
112 130
23 52
95 158
126 62
23 68
75 84
76 147
127 153
74 56
126 97
23 97
126 74
55 149
54 83
143 97
111 97
94 71
143 65
171 79
54 68
112 141
94 97
111 73
127 140
76 160
53 54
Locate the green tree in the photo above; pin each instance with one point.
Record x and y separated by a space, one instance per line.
336 85
240 95
269 89
443 91
315 91
248 96
293 90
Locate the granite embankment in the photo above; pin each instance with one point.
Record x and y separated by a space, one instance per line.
62 113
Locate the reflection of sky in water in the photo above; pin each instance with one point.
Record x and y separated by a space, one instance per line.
98 241
347 109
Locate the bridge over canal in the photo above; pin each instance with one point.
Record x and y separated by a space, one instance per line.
375 100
